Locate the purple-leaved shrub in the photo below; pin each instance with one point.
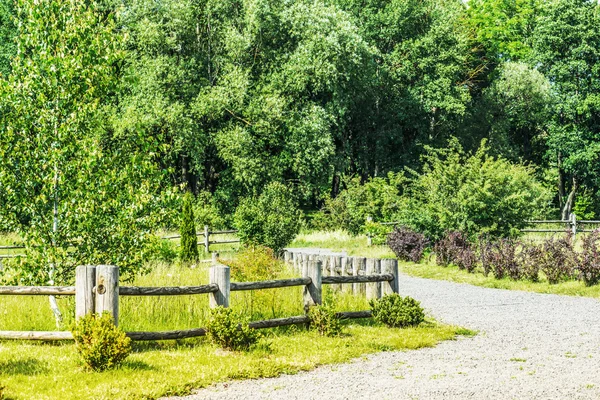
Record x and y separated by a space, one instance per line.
589 259
407 244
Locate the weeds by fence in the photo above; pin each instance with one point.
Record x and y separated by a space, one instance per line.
97 290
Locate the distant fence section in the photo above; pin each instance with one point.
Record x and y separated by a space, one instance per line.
572 225
97 290
206 234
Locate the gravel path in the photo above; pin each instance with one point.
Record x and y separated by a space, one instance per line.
529 346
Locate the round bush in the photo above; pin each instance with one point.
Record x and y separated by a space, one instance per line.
397 312
229 330
271 220
100 343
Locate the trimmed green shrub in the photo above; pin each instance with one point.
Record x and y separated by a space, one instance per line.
407 244
100 344
396 311
189 240
272 219
228 330
323 319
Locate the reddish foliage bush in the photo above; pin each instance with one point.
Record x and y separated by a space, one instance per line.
502 259
528 260
557 259
407 244
589 259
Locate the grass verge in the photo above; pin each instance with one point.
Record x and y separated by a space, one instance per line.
52 371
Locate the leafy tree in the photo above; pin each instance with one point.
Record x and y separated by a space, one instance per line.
271 220
566 49
76 192
472 193
189 240
7 36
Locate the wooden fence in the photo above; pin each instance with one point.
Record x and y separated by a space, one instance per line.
97 290
206 234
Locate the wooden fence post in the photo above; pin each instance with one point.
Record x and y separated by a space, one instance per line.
85 280
358 264
390 266
107 291
221 275
573 218
286 257
313 291
346 266
206 238
373 288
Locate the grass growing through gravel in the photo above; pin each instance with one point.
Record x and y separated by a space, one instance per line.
357 245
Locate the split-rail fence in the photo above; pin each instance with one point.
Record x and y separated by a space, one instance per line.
97 290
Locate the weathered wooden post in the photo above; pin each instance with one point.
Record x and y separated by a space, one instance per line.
373 288
206 238
107 291
305 260
573 218
221 276
336 261
390 266
346 266
286 257
85 280
358 264
313 291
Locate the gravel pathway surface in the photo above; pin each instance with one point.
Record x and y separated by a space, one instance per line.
529 346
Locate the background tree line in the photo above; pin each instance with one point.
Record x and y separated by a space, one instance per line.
224 98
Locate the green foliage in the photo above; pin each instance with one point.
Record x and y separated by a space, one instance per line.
229 330
472 193
323 319
272 219
396 311
585 205
158 249
207 212
99 342
65 178
189 240
378 198
255 263
7 36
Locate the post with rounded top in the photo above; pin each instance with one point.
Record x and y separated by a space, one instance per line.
221 276
85 280
107 291
313 291
389 266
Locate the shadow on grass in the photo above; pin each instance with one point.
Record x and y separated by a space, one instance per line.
24 366
137 365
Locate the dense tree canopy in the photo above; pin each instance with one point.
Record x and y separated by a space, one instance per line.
225 98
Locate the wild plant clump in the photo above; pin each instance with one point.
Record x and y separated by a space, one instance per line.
558 258
227 329
396 311
100 343
455 248
502 260
407 244
589 259
255 263
528 259
323 319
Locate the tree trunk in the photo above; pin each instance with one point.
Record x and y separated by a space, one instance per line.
570 200
561 183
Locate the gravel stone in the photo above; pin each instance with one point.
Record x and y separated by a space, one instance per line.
529 346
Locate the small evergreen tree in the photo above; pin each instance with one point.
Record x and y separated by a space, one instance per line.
189 246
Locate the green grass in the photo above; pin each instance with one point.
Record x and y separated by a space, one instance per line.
46 371
52 370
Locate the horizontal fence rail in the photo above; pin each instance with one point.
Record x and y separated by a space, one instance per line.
97 290
206 234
